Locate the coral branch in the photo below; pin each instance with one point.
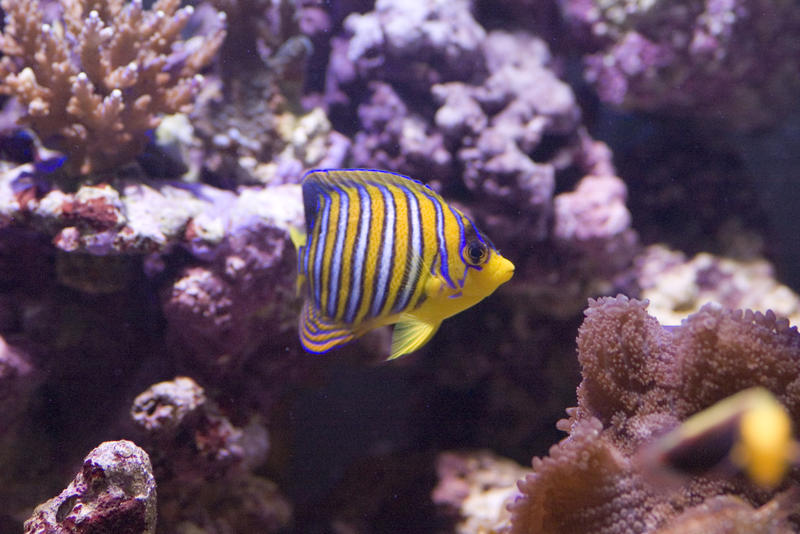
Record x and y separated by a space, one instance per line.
95 81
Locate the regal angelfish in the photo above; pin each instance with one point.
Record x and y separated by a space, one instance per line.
380 249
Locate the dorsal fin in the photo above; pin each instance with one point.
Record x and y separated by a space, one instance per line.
335 180
310 202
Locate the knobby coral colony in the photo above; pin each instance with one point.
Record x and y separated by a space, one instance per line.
639 380
749 431
94 80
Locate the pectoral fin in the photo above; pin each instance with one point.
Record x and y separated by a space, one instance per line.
298 236
319 334
410 334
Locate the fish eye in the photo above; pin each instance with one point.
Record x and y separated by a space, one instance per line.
476 252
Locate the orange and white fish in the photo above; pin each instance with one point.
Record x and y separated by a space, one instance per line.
380 249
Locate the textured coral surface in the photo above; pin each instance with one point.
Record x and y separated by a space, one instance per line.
640 380
114 492
731 61
94 80
150 159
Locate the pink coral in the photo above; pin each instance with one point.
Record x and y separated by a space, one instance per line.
639 380
727 514
584 485
624 355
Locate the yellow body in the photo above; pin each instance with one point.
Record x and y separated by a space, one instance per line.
766 447
441 302
383 249
759 430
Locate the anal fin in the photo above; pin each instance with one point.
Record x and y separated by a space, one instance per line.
319 334
410 334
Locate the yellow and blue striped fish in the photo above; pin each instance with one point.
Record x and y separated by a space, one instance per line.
380 249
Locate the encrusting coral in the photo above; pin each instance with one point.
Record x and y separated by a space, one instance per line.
473 489
731 61
95 79
500 132
113 492
675 285
167 412
639 380
192 442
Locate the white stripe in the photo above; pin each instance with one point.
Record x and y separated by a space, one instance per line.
336 265
444 259
320 252
416 249
360 255
385 265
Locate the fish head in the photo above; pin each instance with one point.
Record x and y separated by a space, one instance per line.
487 269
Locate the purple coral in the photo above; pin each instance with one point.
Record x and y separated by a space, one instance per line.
731 61
168 411
222 311
439 40
639 380
505 134
584 485
726 513
192 442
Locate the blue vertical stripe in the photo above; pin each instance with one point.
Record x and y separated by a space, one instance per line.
360 256
462 242
414 254
322 231
334 281
442 242
386 258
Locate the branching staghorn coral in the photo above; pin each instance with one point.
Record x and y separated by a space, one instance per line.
94 81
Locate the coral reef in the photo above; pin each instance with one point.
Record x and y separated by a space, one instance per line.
192 444
584 484
731 62
727 513
117 305
137 217
251 121
639 380
147 277
169 411
441 39
244 296
503 135
95 79
676 286
474 489
114 492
